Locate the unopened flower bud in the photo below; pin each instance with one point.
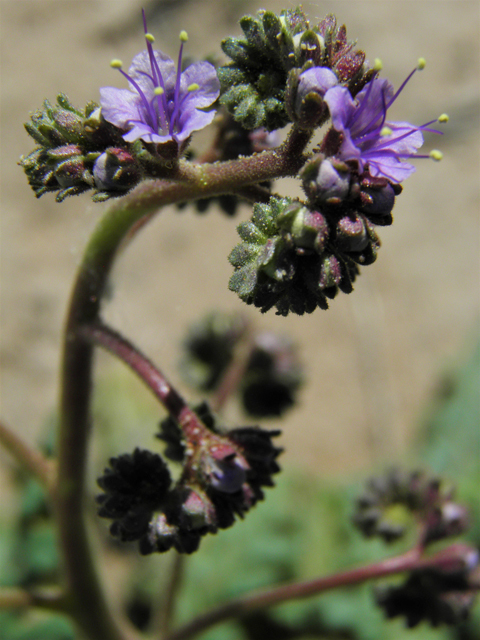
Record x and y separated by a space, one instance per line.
325 181
378 203
304 95
198 509
351 234
116 170
309 229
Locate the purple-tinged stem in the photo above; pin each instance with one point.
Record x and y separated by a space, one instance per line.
122 219
102 336
244 605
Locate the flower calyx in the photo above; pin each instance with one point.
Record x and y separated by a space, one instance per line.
443 593
271 371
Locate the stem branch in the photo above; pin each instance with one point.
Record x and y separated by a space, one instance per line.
27 456
261 599
121 221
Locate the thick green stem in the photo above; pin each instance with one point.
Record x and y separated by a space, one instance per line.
123 218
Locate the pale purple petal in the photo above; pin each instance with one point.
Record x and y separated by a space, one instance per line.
341 106
205 75
119 106
141 72
362 123
193 121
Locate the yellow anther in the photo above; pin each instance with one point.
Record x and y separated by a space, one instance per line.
149 37
193 87
443 118
386 131
421 64
158 91
116 63
436 155
377 64
183 36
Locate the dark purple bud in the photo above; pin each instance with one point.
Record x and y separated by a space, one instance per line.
227 475
378 202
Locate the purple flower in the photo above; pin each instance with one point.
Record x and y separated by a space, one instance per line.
377 145
161 104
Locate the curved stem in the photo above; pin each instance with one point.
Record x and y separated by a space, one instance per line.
27 456
260 600
121 220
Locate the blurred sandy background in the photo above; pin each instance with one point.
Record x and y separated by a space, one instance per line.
375 357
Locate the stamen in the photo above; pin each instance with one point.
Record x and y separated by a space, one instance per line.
386 131
436 155
377 64
157 77
147 105
443 118
116 63
193 87
158 91
421 64
173 120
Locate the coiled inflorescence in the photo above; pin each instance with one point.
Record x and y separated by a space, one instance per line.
259 82
223 475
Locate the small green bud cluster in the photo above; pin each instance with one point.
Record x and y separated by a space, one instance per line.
79 151
295 256
287 259
259 86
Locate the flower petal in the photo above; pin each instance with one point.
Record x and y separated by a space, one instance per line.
119 106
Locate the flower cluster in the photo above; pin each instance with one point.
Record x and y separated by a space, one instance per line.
271 373
78 151
135 133
426 499
439 595
259 85
223 475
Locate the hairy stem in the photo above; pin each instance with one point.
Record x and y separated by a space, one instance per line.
27 456
122 220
